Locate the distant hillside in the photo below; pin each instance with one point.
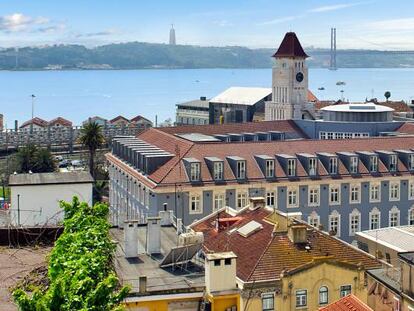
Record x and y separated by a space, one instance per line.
137 55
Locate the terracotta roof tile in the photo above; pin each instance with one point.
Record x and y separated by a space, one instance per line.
347 303
61 121
290 47
36 121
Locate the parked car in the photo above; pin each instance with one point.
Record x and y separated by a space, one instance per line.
64 163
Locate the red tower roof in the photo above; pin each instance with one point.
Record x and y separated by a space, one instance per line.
290 47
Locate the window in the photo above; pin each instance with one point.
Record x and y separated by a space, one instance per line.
411 162
314 219
345 290
241 169
374 219
268 302
301 298
313 196
195 204
292 197
333 166
373 164
195 172
217 262
241 200
312 166
291 167
354 222
323 295
394 190
270 198
411 216
334 194
218 201
353 165
354 194
394 217
335 223
393 163
270 168
218 170
227 261
411 190
375 192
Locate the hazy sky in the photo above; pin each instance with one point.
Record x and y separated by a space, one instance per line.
371 24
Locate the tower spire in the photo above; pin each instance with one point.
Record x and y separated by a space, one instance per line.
172 35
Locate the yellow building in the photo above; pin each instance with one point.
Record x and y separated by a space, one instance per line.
285 264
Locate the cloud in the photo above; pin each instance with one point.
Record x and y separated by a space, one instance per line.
336 7
281 20
104 33
18 22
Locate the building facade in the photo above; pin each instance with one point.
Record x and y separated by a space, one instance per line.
195 112
193 171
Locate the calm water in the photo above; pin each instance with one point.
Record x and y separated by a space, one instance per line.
76 95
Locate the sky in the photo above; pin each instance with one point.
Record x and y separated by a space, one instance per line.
370 24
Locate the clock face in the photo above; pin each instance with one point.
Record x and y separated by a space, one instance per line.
299 77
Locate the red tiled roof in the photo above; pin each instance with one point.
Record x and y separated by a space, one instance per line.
139 118
398 106
287 126
173 171
264 255
290 47
311 97
118 118
406 128
61 121
36 121
347 303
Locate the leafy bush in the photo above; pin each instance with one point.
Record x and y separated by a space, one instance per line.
80 271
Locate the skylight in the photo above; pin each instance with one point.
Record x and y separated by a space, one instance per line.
249 228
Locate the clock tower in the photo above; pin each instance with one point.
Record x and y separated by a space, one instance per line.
289 81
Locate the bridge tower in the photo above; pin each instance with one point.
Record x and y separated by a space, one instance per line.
333 50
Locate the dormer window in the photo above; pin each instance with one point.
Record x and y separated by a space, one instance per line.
270 168
291 167
241 170
353 165
195 172
393 163
218 170
312 166
333 166
411 162
373 164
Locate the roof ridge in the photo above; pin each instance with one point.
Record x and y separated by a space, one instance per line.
260 258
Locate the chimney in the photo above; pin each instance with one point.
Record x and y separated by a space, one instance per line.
297 233
153 235
220 272
131 238
166 217
142 284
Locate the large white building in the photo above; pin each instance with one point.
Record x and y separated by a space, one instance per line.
35 197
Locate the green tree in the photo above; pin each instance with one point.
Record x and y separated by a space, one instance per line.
92 138
387 95
80 271
100 189
33 159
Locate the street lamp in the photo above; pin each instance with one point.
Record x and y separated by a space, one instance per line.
33 99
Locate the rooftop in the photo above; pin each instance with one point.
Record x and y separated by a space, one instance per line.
267 252
75 177
290 47
198 103
357 107
408 257
159 280
347 303
242 95
401 239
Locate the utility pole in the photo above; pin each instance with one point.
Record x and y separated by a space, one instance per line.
33 99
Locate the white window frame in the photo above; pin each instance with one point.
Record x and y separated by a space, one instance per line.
303 298
289 192
394 211
337 216
393 163
411 190
314 194
411 216
340 290
197 199
242 197
195 171
354 226
314 219
411 161
270 168
218 168
272 301
313 166
241 169
291 167
373 164
372 186
337 189
394 189
326 299
351 193
271 198
333 165
375 212
219 201
353 164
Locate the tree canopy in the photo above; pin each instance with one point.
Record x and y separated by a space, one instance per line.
33 159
